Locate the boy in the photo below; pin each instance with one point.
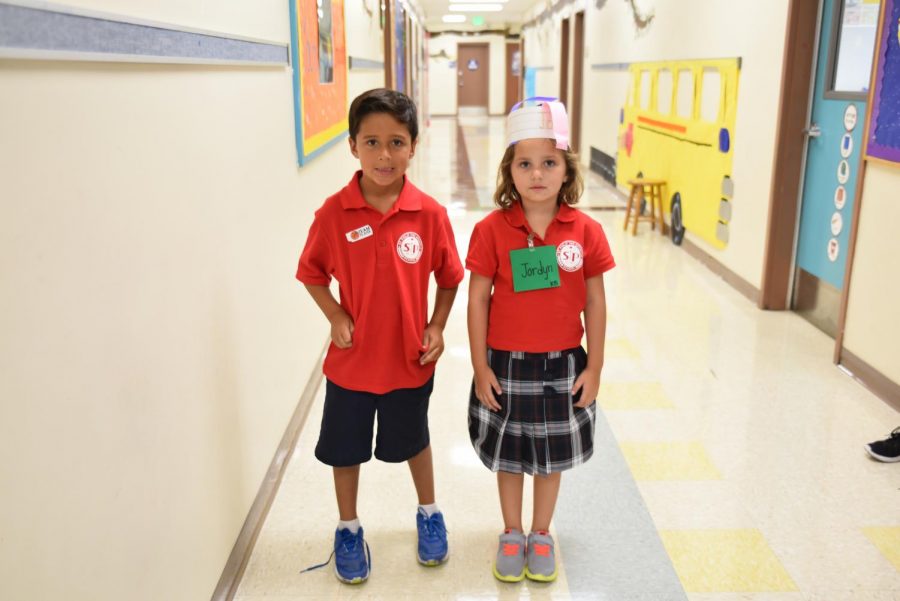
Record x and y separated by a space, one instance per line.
381 238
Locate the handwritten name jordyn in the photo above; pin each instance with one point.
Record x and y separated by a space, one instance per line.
530 271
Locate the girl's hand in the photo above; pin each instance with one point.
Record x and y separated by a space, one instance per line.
433 343
341 329
588 382
486 385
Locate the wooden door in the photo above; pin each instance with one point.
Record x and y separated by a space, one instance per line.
472 75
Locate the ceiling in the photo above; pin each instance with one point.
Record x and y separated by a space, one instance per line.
511 15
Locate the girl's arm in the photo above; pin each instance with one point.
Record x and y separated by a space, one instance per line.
588 382
486 384
434 331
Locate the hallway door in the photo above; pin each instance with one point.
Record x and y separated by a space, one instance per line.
472 75
843 67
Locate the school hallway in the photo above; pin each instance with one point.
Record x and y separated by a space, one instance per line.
729 460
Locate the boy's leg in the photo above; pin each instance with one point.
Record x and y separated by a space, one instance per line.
546 490
422 469
346 489
510 487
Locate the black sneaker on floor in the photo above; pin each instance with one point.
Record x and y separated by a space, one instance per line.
887 450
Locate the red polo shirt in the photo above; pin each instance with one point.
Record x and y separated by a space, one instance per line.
538 321
382 263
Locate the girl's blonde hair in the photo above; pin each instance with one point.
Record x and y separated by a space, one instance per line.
506 194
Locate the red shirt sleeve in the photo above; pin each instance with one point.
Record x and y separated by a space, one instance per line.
482 255
316 265
597 254
447 268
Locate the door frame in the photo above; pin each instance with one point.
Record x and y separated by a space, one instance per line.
513 88
564 62
794 111
577 82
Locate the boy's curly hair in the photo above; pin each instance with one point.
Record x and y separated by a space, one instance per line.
506 194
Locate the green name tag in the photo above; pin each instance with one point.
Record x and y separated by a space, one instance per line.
534 268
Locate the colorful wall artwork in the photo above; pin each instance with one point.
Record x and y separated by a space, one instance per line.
883 140
677 125
319 59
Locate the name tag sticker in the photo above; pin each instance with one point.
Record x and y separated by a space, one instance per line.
360 233
534 268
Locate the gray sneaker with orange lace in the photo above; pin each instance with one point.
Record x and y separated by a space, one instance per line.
510 564
541 564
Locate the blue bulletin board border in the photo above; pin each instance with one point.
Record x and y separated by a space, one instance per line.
883 130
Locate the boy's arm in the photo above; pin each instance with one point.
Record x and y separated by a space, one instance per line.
486 384
341 323
434 331
595 328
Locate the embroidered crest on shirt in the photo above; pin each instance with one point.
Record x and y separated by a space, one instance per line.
409 247
570 255
359 233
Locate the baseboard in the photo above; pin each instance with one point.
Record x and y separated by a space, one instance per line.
733 279
246 540
880 385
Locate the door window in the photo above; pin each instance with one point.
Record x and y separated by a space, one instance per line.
855 25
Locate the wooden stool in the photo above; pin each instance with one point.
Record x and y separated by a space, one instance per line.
650 190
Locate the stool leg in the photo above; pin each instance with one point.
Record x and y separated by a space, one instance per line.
637 208
628 209
653 208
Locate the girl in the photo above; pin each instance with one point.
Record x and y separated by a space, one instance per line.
531 409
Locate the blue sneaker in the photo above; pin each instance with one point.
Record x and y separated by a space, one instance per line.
352 560
433 548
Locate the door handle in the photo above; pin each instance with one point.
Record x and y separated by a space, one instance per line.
813 131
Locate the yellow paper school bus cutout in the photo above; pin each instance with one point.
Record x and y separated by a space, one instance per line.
673 129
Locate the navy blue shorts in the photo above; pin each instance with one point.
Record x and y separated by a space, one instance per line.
348 421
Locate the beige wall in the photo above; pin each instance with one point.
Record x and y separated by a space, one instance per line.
687 29
155 342
873 329
442 79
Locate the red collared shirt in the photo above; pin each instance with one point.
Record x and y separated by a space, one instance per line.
382 263
538 321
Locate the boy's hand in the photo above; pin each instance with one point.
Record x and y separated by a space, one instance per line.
433 343
486 385
341 329
588 382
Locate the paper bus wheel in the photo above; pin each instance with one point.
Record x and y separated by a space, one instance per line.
677 225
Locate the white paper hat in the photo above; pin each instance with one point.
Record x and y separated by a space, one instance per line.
545 119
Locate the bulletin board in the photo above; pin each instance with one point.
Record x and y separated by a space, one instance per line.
319 58
883 134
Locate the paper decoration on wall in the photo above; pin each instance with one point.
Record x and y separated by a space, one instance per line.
850 117
846 145
883 139
693 155
834 249
837 223
642 20
840 197
319 58
843 172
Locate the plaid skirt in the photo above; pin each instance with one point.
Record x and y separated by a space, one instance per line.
537 430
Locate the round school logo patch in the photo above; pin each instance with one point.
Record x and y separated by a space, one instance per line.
570 255
409 247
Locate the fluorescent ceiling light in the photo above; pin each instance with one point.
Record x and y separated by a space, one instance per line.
454 18
476 8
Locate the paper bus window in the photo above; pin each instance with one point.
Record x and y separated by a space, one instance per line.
664 86
685 103
645 89
710 95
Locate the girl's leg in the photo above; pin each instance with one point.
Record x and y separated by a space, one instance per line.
546 490
422 472
346 488
510 487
